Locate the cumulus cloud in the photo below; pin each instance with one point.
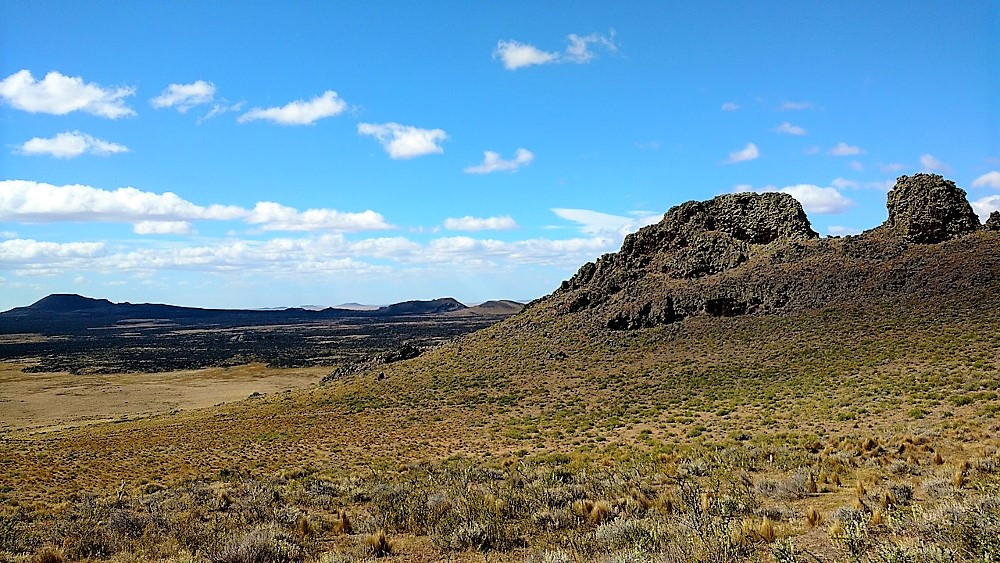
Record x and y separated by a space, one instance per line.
59 94
185 96
730 106
841 183
469 223
795 105
404 141
219 109
843 149
990 179
38 202
493 163
605 224
162 228
166 213
18 251
815 199
299 112
983 207
929 163
271 216
748 152
70 144
891 167
514 54
789 129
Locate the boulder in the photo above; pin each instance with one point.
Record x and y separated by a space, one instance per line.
993 223
926 209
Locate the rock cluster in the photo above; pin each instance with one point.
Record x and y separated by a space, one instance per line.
750 253
926 208
993 223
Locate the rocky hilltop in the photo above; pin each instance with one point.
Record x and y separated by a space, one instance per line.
757 253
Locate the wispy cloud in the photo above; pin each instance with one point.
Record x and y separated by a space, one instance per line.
185 96
931 164
515 54
730 106
493 163
163 228
405 141
787 105
69 144
469 223
789 129
299 112
843 149
748 152
605 224
990 179
59 94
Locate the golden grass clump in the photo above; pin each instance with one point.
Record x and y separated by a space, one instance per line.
303 528
811 487
766 531
378 544
877 518
706 501
49 555
342 524
958 479
813 517
938 460
582 508
888 500
860 489
667 504
600 512
835 479
860 504
836 530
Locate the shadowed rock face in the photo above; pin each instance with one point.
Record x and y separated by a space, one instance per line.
993 223
752 253
926 208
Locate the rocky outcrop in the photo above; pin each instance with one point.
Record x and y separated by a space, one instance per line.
749 253
926 208
993 223
405 352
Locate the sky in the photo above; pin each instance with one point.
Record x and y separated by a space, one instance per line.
267 154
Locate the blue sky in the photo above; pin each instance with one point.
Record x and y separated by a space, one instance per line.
267 154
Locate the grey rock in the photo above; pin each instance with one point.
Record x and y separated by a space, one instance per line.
926 209
993 222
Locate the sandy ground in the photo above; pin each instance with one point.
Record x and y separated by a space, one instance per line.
32 402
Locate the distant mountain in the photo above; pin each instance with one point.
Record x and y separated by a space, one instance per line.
65 313
497 307
357 306
435 306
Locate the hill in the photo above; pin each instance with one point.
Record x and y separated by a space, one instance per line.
728 387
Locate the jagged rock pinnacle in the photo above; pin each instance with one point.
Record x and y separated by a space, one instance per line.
926 208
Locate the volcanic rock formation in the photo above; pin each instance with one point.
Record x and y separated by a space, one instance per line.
757 253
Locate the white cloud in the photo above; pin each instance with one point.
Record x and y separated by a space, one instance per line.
219 109
7 234
514 54
404 141
891 167
162 228
841 183
990 179
468 223
493 163
59 94
605 224
70 145
270 216
299 112
730 106
29 201
815 199
843 149
795 105
929 163
839 231
185 96
856 166
19 251
983 207
578 50
789 129
748 152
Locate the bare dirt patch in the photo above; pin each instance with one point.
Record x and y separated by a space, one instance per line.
32 402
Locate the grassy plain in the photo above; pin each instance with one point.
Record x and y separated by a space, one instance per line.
848 433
